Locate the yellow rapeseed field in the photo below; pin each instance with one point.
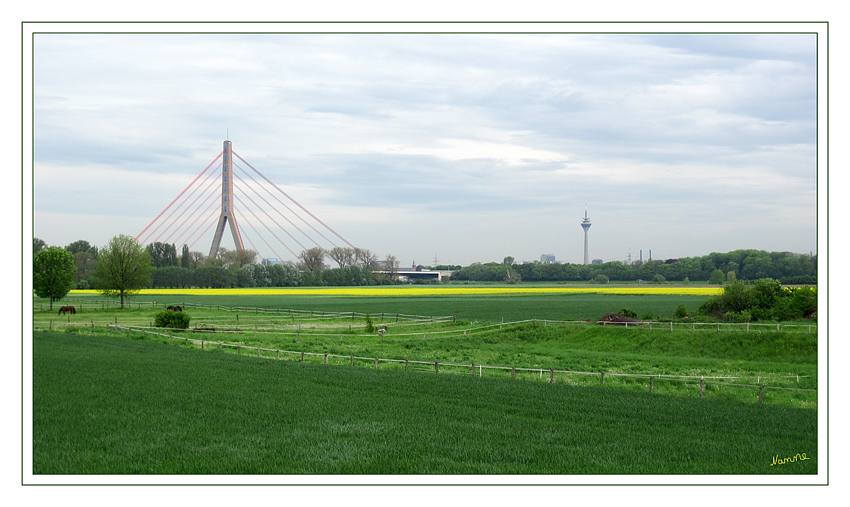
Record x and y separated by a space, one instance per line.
429 291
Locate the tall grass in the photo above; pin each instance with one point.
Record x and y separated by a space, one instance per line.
103 405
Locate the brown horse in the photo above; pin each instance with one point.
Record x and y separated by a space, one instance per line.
67 309
175 308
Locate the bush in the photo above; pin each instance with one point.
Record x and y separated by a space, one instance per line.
171 319
625 312
648 316
599 279
681 311
370 327
742 316
658 279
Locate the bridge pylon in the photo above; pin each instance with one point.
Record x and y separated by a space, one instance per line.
226 203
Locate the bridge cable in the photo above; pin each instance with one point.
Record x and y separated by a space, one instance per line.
181 193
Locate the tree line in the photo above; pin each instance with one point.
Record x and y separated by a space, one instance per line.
787 267
227 268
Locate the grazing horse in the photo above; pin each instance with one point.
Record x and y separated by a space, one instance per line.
175 308
67 309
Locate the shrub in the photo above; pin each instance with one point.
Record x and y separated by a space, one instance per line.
658 279
686 281
370 327
626 312
172 319
599 279
648 316
681 311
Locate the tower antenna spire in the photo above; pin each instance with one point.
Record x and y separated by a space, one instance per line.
585 224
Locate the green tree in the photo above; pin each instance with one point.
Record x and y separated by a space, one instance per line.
38 245
53 273
716 277
85 257
123 268
161 254
185 257
730 276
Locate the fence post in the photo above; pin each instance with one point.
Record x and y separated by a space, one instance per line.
701 387
238 349
278 354
352 360
671 326
376 363
761 397
777 327
202 344
693 327
302 357
258 351
718 327
473 369
602 378
405 365
552 375
326 359
436 367
651 379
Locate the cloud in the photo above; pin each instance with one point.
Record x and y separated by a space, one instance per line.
379 131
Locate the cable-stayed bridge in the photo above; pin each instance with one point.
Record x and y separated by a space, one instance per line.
227 195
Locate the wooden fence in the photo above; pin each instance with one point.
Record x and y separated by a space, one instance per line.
465 368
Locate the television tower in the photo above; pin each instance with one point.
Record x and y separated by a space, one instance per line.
226 203
585 224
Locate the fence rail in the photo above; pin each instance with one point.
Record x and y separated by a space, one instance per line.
652 378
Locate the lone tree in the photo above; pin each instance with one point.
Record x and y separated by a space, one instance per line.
313 259
53 273
123 268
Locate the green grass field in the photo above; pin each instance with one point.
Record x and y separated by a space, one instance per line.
485 308
115 405
786 360
110 400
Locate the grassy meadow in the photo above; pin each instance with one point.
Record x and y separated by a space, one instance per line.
220 409
106 405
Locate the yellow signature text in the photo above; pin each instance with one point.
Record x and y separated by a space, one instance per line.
782 461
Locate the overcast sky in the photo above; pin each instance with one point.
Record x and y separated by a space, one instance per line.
461 147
